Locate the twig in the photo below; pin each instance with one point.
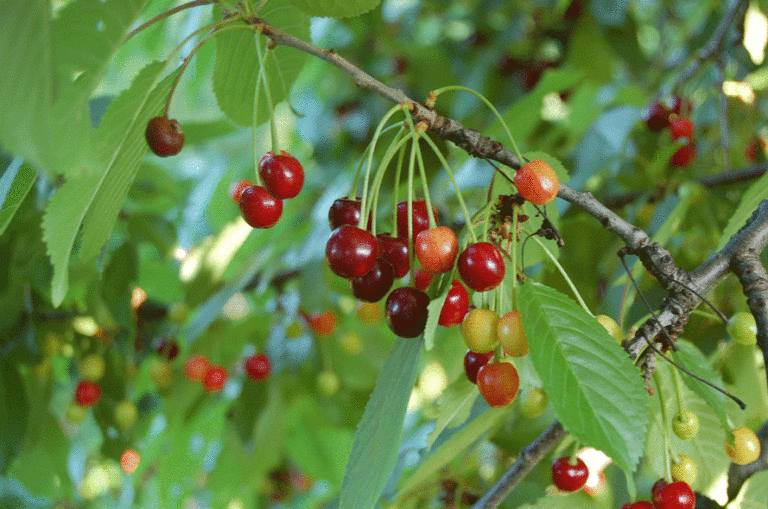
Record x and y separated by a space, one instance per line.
163 15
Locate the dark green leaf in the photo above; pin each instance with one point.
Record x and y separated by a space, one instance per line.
117 284
336 8
15 184
756 193
14 414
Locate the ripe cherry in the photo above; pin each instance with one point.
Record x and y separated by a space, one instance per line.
656 116
196 367
569 477
455 306
395 251
323 324
676 495
422 279
498 383
436 249
87 393
511 334
351 252
642 504
473 361
479 329
537 182
420 218
237 188
282 174
259 208
684 156
164 136
657 487
481 266
745 447
215 378
346 211
374 284
406 311
258 367
681 127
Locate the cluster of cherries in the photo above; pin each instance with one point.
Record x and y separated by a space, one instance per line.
213 377
659 117
674 495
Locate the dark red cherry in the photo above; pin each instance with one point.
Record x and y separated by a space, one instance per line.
680 106
481 266
258 367
681 127
641 504
473 361
395 251
259 208
406 311
283 175
456 305
656 117
346 211
420 218
351 252
676 495
164 136
237 188
87 393
374 284
684 156
422 279
569 477
657 487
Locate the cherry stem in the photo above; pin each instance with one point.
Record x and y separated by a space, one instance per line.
679 391
664 426
515 224
163 15
255 141
397 145
396 190
411 167
564 274
268 94
425 187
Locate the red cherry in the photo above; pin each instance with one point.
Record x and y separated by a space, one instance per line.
282 174
422 279
481 266
680 106
196 367
641 504
374 284
215 379
537 182
258 367
406 311
395 251
166 347
420 218
684 156
346 211
259 208
676 495
237 188
498 383
164 136
681 127
657 487
656 117
351 252
87 393
569 477
456 305
436 249
473 361
323 324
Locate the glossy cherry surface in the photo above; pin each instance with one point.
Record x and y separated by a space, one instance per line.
473 361
351 252
455 306
537 182
395 251
436 249
164 136
481 266
420 218
511 334
684 156
406 311
641 504
656 116
258 367
569 477
422 279
374 284
346 211
498 383
282 174
676 495
237 188
259 208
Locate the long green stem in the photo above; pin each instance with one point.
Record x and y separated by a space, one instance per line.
564 274
268 95
664 426
679 391
163 15
397 144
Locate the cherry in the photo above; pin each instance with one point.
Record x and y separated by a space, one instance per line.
259 208
676 495
511 334
258 367
657 487
537 182
346 211
323 324
196 367
374 284
498 383
533 402
351 252
125 414
406 311
481 266
680 106
282 174
743 328
745 447
215 378
237 188
684 156
164 136
422 279
395 251
479 329
129 461
87 393
656 116
610 325
685 425
569 477
684 469
436 249
681 127
420 218
473 361
166 347
642 504
455 306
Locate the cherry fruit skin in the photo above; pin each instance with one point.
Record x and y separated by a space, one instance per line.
743 328
569 477
164 136
420 218
511 334
537 182
351 252
259 208
422 279
196 367
237 188
676 495
685 425
479 329
436 249
481 266
473 361
374 284
681 127
87 393
258 367
215 378
395 251
498 383
455 306
406 311
642 504
346 211
684 156
746 447
283 175
656 117
324 323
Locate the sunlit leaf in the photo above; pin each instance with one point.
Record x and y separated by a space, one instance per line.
336 8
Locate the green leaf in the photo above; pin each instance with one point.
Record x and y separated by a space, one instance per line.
14 185
591 383
754 493
377 440
336 8
13 418
93 199
434 308
237 66
756 193
455 405
117 283
691 358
